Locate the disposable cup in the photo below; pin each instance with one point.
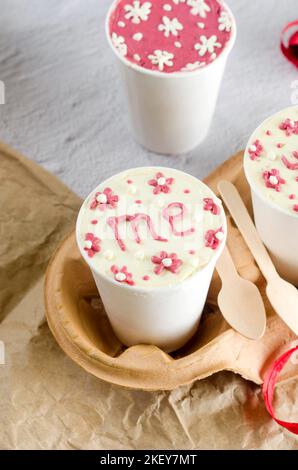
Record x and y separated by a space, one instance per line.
166 316
277 227
171 113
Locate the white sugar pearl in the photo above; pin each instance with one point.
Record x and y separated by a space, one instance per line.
273 180
213 56
140 255
137 36
253 148
167 262
219 236
108 254
195 262
102 199
160 202
167 7
272 156
120 277
121 24
178 44
292 123
132 190
161 181
88 244
199 216
201 25
137 57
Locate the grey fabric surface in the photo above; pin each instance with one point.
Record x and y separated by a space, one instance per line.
64 103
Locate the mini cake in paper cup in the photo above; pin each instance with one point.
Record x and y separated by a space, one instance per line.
172 55
151 237
271 168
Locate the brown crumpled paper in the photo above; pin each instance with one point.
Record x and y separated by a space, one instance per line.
48 402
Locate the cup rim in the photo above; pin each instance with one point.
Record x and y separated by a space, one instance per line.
156 73
148 289
249 179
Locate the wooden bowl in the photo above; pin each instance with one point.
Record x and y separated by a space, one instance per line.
78 321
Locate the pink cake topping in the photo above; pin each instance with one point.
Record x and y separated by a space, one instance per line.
209 205
255 150
289 126
170 35
213 238
169 262
104 200
161 184
273 179
154 236
92 244
122 275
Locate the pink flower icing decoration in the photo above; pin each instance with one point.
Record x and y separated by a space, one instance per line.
255 150
169 262
104 200
273 179
289 126
92 244
122 275
161 183
209 205
213 238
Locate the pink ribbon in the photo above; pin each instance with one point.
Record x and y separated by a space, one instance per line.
269 385
289 42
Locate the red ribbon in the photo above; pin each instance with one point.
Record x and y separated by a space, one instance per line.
269 385
289 42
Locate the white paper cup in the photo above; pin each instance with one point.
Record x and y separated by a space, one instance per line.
164 316
277 228
171 113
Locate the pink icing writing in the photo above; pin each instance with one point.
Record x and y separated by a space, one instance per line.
178 216
288 164
134 220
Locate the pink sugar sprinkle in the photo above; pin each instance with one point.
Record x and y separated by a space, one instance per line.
280 146
268 132
94 222
138 201
292 196
192 252
146 278
295 207
296 179
129 181
186 191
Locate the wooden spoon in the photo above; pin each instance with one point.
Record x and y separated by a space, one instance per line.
282 295
239 300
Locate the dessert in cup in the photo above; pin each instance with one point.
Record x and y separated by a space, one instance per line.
172 55
151 237
271 168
